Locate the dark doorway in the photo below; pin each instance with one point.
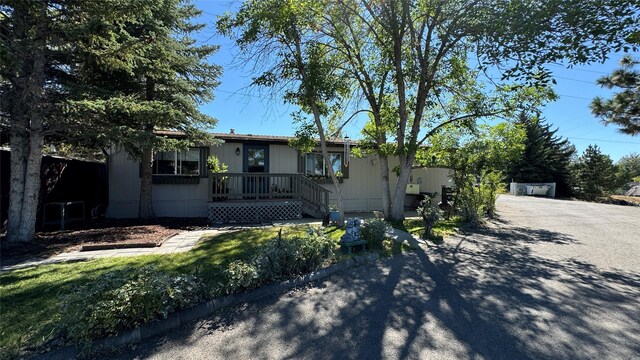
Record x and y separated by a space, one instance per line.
256 160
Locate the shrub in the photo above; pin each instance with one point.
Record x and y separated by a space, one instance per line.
124 299
281 258
278 259
476 200
240 275
375 231
430 214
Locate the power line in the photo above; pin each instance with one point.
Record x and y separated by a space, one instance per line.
246 94
575 97
585 70
568 78
612 141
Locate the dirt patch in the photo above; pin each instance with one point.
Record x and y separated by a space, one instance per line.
628 199
104 233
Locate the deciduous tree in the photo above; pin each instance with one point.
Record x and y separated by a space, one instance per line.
628 168
282 37
419 52
479 158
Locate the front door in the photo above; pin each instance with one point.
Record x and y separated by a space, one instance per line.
256 160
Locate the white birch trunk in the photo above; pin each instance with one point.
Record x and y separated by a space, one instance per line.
26 121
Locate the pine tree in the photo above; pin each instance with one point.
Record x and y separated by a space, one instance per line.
54 57
39 55
623 109
546 158
594 173
158 86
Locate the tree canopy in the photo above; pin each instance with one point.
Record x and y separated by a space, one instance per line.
157 82
623 109
95 73
628 168
416 63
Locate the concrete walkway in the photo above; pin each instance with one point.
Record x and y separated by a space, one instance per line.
182 242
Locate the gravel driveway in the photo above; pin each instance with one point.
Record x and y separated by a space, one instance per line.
549 280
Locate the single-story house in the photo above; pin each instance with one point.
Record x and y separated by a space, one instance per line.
266 179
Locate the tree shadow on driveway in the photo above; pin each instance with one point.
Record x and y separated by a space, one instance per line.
478 295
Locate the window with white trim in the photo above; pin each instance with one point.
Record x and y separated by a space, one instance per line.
180 162
315 164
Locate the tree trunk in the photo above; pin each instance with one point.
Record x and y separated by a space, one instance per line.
397 203
26 118
327 160
145 209
385 187
18 169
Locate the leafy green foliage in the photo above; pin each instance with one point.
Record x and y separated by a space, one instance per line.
282 258
239 275
430 214
628 168
546 157
215 165
166 77
294 60
623 109
375 232
122 300
479 159
594 174
278 259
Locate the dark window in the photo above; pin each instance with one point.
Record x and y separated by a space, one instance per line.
255 159
182 162
315 165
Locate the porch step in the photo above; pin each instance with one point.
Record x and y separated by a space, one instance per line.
313 211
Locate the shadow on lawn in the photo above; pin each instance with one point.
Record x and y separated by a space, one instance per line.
482 294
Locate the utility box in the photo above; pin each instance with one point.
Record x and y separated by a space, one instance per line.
413 189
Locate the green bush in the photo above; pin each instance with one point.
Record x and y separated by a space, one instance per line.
240 275
282 258
430 215
375 232
278 259
122 300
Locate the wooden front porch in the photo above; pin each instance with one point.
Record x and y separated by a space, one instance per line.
257 197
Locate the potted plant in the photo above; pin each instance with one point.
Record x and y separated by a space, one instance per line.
220 183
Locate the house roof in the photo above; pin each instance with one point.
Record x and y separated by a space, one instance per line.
247 138
271 139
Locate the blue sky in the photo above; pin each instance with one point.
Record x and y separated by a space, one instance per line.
251 112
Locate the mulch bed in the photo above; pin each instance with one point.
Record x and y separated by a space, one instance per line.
103 233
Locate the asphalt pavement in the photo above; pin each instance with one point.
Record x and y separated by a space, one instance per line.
549 279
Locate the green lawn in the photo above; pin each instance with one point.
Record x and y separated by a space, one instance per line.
29 299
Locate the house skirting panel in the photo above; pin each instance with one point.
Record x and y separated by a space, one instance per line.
253 211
